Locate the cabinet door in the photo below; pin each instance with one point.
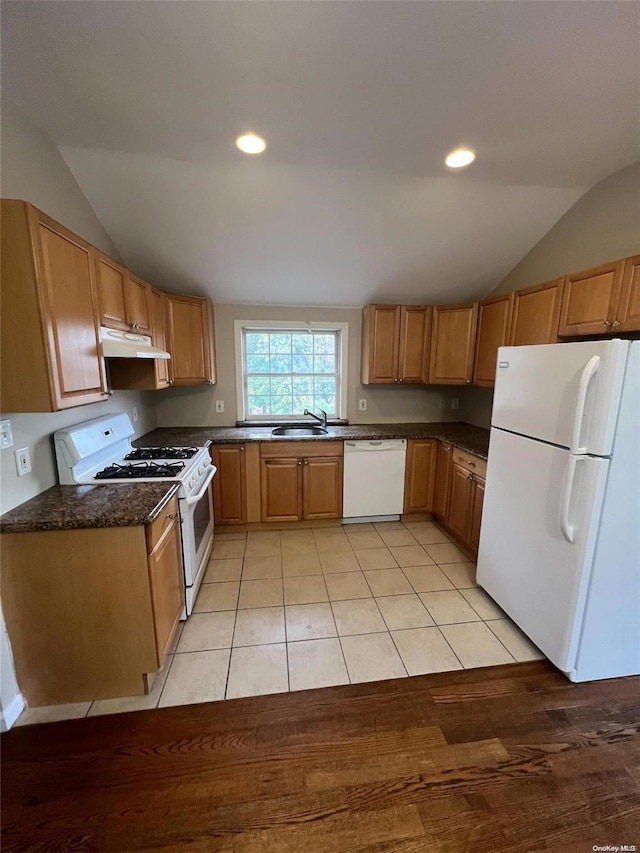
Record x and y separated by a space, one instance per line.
415 332
281 489
67 286
167 588
590 300
453 339
137 304
535 315
442 485
494 323
477 500
159 336
111 279
190 340
229 484
380 344
420 475
460 502
322 487
629 311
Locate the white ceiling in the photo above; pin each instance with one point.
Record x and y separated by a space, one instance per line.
359 102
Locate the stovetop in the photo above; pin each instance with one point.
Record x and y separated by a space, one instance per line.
162 453
141 470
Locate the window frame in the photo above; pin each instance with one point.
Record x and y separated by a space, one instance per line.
240 326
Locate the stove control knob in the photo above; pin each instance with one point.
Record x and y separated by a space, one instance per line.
200 469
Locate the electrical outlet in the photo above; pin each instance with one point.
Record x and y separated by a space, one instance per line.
6 436
455 403
23 461
442 403
219 405
362 405
134 413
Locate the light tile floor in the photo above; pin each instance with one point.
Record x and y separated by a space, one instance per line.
308 606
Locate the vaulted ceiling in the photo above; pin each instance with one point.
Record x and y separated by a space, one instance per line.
359 103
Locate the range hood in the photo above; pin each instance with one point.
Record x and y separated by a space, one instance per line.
117 344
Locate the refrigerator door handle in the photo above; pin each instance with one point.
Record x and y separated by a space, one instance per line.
566 528
589 371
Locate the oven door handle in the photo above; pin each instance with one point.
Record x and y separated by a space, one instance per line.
193 499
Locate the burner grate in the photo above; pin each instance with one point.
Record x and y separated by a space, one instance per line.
140 470
162 453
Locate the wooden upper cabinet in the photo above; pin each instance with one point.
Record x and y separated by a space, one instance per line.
137 304
590 300
494 325
380 344
191 340
535 314
229 484
629 311
420 475
453 339
144 374
159 336
395 344
51 356
111 278
415 332
322 487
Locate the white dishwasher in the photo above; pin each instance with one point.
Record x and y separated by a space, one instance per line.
373 478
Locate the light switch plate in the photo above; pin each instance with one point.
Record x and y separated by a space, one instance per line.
6 436
134 414
219 405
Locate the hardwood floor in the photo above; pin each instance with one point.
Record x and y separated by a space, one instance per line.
511 758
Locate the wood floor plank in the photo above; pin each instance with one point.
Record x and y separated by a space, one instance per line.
511 758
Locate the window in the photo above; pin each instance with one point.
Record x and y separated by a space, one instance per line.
289 369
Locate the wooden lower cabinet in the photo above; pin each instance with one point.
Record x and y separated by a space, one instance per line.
229 484
301 480
322 487
281 485
420 475
477 501
463 515
91 613
167 587
442 483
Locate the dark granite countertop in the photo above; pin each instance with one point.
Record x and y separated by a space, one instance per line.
467 437
74 507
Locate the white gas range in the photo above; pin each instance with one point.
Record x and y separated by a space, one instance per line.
100 452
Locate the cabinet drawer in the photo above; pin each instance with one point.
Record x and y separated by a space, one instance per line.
470 462
156 529
300 449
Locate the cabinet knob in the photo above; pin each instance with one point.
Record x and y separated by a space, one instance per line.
615 324
469 476
242 448
170 515
605 324
299 461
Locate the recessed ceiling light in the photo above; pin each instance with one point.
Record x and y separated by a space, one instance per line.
460 157
250 143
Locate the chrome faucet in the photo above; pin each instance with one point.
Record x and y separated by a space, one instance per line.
322 420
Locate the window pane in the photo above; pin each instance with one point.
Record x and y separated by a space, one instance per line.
302 385
258 405
280 343
258 386
326 403
280 363
302 403
302 363
281 385
324 344
325 387
302 344
257 364
281 406
257 342
324 364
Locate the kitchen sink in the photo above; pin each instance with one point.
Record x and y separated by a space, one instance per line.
298 430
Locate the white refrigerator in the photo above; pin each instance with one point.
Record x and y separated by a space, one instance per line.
560 540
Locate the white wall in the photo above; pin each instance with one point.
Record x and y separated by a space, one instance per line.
385 403
32 169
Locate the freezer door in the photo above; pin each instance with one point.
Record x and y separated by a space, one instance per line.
525 560
565 394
